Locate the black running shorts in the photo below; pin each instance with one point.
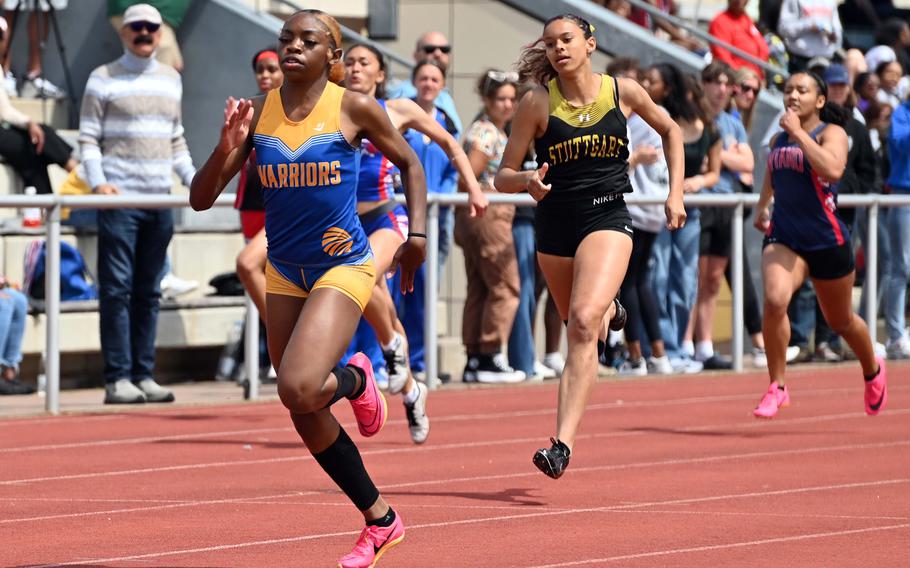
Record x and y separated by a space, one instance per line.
825 264
716 232
560 227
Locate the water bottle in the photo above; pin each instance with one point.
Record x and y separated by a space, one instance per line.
31 216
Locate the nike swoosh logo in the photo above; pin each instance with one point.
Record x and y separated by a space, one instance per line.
878 404
319 127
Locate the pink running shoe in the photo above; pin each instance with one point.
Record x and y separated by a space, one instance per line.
372 544
877 390
370 407
773 400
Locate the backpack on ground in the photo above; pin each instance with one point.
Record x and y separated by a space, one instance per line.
75 283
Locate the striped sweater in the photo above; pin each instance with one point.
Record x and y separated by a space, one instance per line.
130 128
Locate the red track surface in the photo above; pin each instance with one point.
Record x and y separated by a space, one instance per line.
670 472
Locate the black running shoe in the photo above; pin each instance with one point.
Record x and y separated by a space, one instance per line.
619 318
553 461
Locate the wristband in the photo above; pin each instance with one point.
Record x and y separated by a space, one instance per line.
412 234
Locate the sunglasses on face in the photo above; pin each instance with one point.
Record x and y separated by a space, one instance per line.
503 76
139 26
430 49
745 89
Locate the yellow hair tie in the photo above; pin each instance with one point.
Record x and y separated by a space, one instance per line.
592 27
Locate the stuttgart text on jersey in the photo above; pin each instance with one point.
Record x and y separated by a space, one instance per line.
587 146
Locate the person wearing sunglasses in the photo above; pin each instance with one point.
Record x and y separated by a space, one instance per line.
576 121
131 135
172 14
431 46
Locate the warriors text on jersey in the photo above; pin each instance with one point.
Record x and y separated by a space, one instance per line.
309 177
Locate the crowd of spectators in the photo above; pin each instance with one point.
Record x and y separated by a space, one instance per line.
674 278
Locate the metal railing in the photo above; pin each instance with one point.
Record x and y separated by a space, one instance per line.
52 204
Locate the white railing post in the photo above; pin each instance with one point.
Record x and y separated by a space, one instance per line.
736 270
431 294
52 310
872 272
251 349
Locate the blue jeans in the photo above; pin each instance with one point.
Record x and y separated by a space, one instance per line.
674 279
899 272
13 310
132 245
521 339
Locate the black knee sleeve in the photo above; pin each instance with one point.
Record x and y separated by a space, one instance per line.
342 462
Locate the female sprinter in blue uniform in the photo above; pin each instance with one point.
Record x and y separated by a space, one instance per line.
320 271
804 237
576 120
385 222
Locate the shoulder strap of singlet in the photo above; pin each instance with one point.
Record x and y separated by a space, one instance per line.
615 91
817 130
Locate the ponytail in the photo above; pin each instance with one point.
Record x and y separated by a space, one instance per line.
833 113
533 65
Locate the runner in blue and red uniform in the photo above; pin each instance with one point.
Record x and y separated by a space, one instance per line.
804 237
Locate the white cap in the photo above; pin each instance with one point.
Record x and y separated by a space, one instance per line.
141 13
878 55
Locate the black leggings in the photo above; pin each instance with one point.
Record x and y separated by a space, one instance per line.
636 294
17 149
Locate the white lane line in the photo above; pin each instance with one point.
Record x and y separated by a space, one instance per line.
501 518
730 545
412 449
445 506
549 410
145 440
473 479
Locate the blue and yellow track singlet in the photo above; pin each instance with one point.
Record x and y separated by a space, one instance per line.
378 175
309 181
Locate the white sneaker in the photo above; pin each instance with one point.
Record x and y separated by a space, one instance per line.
543 371
686 366
9 83
880 349
898 348
396 361
41 88
633 368
155 392
496 369
554 361
418 423
173 286
660 365
123 391
792 353
760 358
